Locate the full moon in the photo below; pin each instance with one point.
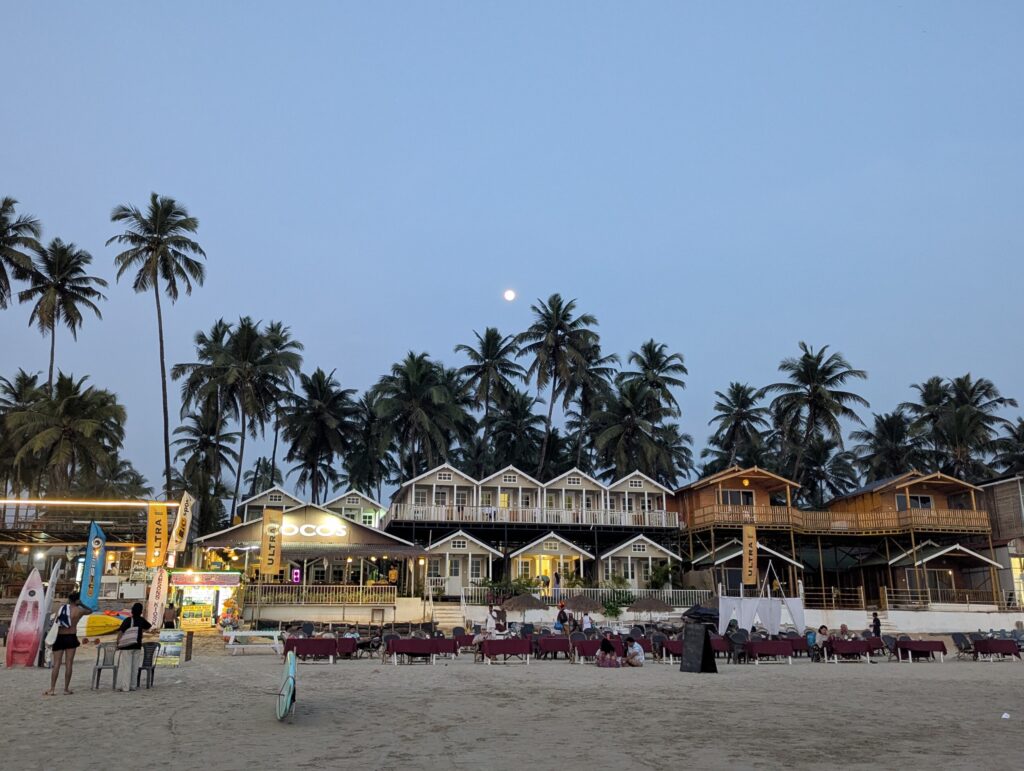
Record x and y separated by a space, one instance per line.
509 295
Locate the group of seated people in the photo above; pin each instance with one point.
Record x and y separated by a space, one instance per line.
608 657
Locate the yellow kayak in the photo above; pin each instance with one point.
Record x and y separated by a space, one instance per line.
97 625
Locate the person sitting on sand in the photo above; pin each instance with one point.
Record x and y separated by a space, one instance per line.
67 643
606 656
634 653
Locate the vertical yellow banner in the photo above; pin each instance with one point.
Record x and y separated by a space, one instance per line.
156 535
749 555
270 546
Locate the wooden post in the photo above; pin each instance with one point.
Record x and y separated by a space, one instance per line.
714 580
913 557
792 549
821 568
888 564
991 569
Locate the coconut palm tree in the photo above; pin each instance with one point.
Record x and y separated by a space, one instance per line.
286 348
76 431
626 426
828 471
933 397
60 289
890 447
18 234
159 249
205 448
556 342
16 394
812 400
319 426
516 431
417 400
740 422
966 440
1010 449
589 385
262 476
254 373
369 464
660 370
118 479
491 371
674 460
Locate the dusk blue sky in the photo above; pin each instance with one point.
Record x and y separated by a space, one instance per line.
729 179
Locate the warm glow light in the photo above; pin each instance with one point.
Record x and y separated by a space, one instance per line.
746 483
423 561
40 555
102 504
509 295
24 549
348 560
373 559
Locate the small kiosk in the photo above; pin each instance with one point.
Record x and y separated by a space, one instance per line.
203 595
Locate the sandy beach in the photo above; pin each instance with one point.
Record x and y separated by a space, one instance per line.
218 711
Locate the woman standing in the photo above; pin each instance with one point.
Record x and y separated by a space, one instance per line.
129 644
66 644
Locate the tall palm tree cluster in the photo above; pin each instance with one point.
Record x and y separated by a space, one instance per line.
546 399
795 428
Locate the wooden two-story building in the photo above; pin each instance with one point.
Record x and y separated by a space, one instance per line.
915 538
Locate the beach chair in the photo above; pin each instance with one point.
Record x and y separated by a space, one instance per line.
106 658
739 646
458 631
307 629
148 664
657 645
590 634
964 647
890 646
525 629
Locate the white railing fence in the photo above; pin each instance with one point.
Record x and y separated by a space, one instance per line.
677 598
531 516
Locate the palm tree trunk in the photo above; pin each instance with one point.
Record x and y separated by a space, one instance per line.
579 440
547 429
273 452
241 456
163 389
53 350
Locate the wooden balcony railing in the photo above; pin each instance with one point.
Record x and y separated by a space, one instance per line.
318 594
825 522
407 512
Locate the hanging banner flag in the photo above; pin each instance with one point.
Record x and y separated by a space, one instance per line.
156 535
92 570
749 555
182 525
270 546
157 598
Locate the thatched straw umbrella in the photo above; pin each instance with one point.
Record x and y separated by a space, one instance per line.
650 605
583 604
523 603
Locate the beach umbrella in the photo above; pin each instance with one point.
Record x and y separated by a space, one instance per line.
650 605
583 604
523 603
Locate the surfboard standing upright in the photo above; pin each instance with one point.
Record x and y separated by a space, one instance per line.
44 616
26 627
92 571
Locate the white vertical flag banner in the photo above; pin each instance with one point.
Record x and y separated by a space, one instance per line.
182 525
157 599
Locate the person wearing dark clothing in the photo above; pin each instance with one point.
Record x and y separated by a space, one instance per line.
876 625
129 645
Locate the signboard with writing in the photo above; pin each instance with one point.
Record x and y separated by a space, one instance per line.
270 546
205 578
182 524
156 535
172 648
749 555
697 654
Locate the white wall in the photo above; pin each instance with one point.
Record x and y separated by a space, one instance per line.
406 610
916 621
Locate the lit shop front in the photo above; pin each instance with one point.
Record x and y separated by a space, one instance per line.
204 598
312 547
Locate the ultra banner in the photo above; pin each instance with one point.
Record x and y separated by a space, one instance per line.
270 546
92 570
749 555
182 524
156 535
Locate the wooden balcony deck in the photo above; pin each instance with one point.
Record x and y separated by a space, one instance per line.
841 522
457 515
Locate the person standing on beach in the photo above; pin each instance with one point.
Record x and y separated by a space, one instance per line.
586 622
129 644
557 583
876 625
67 643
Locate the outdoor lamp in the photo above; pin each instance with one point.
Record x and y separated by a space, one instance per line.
373 559
348 559
422 561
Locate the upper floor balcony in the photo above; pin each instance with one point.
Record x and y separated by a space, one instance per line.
840 522
547 517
